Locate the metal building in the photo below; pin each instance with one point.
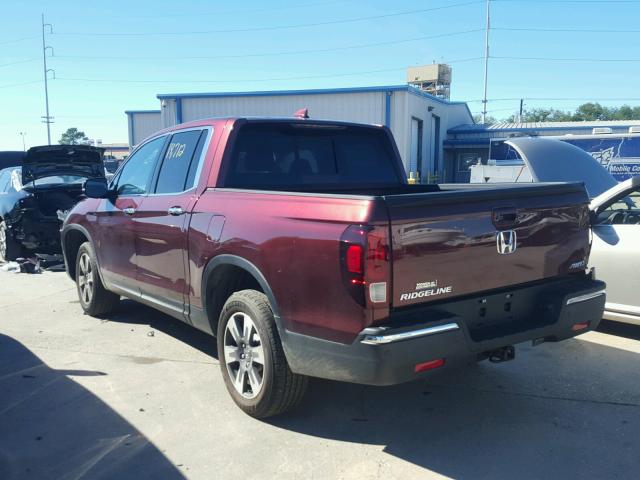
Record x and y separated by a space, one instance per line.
419 121
142 123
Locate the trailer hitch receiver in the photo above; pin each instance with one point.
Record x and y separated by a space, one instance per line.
502 354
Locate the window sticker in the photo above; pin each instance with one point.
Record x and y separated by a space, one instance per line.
176 150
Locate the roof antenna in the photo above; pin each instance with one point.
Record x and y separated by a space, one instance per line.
302 113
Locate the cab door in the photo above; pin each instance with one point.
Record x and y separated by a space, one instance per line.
163 221
116 217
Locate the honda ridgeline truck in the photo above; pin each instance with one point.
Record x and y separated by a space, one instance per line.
300 245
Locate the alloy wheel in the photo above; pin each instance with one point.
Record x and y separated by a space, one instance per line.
85 279
244 355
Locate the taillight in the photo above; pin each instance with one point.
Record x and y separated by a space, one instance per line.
355 262
364 251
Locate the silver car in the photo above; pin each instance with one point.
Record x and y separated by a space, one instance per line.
615 209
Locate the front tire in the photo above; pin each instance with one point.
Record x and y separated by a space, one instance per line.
254 367
95 300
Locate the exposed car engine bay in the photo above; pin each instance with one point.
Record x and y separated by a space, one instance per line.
38 195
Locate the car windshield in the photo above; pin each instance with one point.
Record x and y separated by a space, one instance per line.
627 202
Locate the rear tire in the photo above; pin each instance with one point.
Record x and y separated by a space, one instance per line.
95 300
254 367
9 248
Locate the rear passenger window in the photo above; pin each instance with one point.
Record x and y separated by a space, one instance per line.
195 162
178 169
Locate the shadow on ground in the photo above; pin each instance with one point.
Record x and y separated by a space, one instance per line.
567 410
559 410
51 427
135 313
626 330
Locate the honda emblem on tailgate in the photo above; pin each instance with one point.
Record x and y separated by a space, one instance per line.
506 241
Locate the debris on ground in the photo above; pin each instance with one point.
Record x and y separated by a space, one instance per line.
52 263
151 333
35 264
11 267
23 265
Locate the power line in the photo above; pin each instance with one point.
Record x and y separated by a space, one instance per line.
252 80
20 84
560 99
18 62
271 54
19 39
568 59
237 80
569 1
277 27
563 30
226 12
515 109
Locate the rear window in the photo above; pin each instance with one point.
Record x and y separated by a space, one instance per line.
280 156
180 159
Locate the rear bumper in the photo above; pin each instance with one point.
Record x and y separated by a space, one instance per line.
453 331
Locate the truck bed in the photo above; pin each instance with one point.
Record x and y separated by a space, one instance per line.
444 238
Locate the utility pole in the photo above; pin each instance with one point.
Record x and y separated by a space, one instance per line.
48 119
24 145
486 63
521 110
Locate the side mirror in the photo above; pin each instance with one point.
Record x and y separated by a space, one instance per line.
96 188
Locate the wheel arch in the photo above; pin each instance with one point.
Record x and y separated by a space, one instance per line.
226 274
72 237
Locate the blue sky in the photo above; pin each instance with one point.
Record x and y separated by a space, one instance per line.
106 62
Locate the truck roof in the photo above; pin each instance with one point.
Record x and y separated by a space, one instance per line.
218 121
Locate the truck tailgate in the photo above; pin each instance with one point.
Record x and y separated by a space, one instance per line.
453 243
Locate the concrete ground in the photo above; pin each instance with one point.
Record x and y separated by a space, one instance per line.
140 395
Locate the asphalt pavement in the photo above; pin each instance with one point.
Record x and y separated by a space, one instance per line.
140 395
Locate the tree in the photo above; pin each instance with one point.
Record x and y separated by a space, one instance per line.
489 120
73 136
593 111
584 113
542 115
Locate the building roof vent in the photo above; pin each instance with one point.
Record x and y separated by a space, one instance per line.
635 129
601 130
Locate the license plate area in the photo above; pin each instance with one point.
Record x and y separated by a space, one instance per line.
509 313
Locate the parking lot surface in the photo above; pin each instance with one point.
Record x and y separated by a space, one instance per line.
140 395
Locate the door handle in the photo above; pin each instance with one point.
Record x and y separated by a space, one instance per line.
129 210
175 211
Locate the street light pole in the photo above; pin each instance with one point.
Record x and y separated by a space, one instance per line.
24 145
486 63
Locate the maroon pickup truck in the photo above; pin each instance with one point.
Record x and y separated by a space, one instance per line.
301 247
